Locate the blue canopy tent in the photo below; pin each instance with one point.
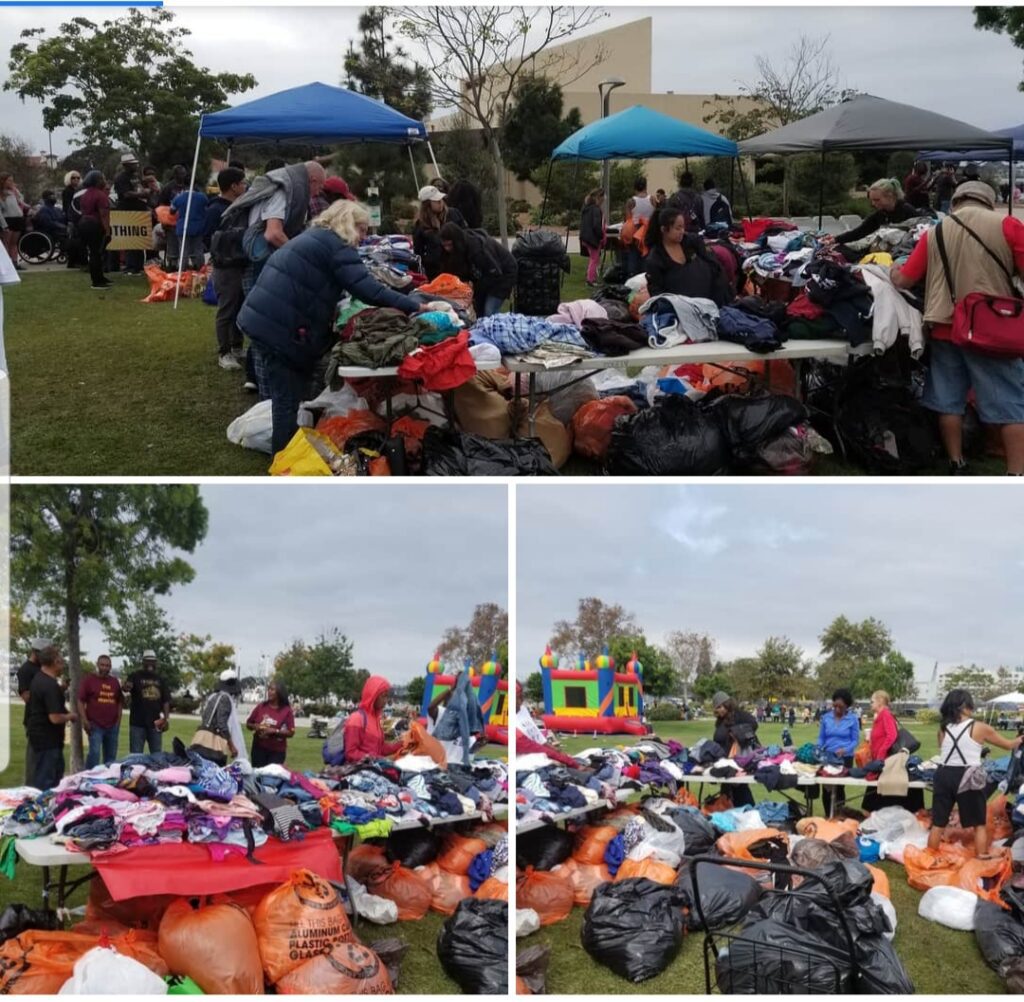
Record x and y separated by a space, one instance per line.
313 113
984 156
639 133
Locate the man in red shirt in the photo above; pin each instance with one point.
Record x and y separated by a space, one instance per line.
998 383
100 705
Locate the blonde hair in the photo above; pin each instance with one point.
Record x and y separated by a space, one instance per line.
882 695
343 217
70 174
890 186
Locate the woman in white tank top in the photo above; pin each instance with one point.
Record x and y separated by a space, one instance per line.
962 740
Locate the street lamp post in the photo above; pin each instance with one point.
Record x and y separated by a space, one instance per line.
604 89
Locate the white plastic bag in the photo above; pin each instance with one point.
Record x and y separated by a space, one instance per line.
379 911
749 821
952 907
666 847
254 429
330 403
889 823
890 912
527 922
894 850
103 971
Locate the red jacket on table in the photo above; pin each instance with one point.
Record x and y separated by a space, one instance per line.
364 737
883 733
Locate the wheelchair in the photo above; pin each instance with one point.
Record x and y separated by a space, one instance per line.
37 247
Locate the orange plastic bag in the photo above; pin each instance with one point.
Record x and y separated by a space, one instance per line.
737 844
299 920
39 962
651 868
862 755
447 286
549 894
347 969
458 852
412 431
165 215
881 884
493 889
405 888
997 820
446 889
928 868
340 429
418 742
722 802
365 861
592 425
985 877
686 798
136 913
215 945
522 988
826 830
591 843
585 878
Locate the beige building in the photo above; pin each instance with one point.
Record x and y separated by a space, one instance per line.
623 52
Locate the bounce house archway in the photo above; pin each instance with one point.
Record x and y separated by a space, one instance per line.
490 688
593 698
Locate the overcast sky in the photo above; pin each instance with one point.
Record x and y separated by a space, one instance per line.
391 568
927 56
942 567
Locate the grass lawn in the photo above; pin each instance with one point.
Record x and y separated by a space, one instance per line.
940 961
421 971
105 385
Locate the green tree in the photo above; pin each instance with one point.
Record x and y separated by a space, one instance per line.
18 158
1007 21
82 552
485 636
141 626
781 671
894 673
566 187
129 81
534 688
658 674
690 653
323 668
415 689
715 681
978 681
1006 680
381 69
744 683
204 661
847 648
535 125
595 624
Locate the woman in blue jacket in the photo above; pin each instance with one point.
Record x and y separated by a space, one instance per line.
838 736
289 310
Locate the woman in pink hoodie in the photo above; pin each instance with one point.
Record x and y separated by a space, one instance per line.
364 737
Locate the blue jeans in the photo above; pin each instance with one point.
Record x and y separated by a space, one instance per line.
139 736
49 768
492 305
953 371
102 744
286 387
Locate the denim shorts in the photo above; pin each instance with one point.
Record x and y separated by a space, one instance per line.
998 384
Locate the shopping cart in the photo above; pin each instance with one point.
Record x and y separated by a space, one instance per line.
778 969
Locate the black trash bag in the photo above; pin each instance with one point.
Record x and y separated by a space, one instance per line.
413 847
881 970
726 895
614 274
999 934
455 454
543 848
541 244
634 927
674 437
16 919
391 953
699 833
811 853
772 958
473 947
532 967
751 422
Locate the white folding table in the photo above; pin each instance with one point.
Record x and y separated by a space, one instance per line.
44 853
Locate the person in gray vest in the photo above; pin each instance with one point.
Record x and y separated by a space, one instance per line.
219 735
985 251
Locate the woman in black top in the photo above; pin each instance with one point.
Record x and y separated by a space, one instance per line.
592 232
680 263
734 727
464 196
886 197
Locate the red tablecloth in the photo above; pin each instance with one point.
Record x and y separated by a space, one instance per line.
188 868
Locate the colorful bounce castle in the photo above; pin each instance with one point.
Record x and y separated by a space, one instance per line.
490 688
593 698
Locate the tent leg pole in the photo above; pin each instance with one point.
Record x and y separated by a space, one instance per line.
821 191
188 210
547 188
1013 187
229 155
743 185
433 159
572 201
412 164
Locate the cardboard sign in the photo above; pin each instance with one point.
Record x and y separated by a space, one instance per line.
130 231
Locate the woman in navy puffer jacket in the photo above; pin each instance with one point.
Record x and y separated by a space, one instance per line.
288 313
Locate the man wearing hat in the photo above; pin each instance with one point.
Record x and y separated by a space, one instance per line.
984 249
150 709
219 735
26 673
333 189
131 197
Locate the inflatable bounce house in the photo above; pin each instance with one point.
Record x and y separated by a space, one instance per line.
593 698
490 688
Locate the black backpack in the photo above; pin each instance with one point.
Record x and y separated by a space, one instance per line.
719 213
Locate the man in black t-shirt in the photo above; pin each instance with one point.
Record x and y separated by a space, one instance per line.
47 717
26 673
132 196
150 709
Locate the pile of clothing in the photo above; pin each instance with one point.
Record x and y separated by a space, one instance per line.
392 261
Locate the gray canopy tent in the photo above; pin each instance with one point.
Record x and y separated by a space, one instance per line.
868 123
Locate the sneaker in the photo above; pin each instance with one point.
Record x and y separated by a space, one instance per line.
249 386
105 285
238 353
228 362
958 468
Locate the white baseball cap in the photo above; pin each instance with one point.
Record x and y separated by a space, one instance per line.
40 643
229 675
431 194
149 655
129 158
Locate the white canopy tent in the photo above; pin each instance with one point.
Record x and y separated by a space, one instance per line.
1010 699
